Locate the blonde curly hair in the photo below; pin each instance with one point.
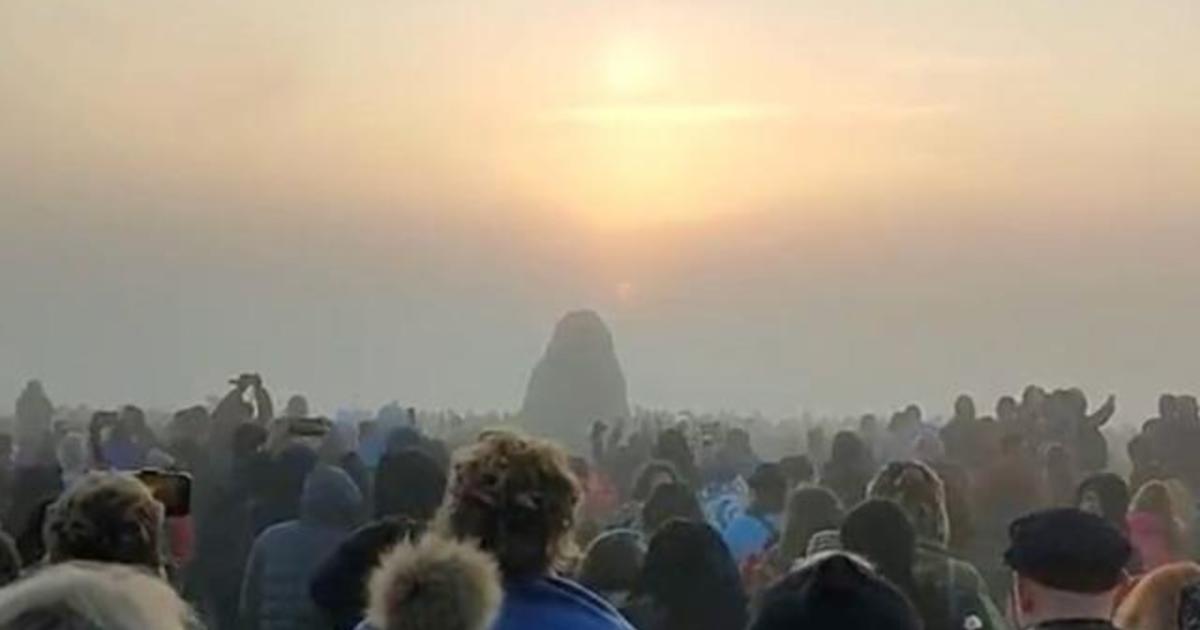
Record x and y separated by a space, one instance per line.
516 497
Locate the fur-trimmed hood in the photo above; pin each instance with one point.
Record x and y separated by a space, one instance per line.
436 584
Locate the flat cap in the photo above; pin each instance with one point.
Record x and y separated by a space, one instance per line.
1068 550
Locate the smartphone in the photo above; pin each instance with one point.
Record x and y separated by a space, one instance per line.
172 489
309 427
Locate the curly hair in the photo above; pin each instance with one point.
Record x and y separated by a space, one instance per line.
515 497
106 517
920 492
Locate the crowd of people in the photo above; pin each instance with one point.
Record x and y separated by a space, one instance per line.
414 521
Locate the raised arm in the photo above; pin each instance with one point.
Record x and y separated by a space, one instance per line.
1104 413
262 402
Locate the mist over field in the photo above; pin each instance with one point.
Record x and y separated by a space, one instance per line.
775 207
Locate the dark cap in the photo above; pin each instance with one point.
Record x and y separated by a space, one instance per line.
768 476
1068 550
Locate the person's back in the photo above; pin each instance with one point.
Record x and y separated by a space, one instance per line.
279 483
554 603
286 556
686 559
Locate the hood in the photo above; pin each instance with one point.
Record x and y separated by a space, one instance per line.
330 498
435 584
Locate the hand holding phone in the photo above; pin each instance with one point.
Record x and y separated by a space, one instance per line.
172 489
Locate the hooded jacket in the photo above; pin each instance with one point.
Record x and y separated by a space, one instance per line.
339 586
286 556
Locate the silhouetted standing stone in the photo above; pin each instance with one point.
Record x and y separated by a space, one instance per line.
34 412
577 382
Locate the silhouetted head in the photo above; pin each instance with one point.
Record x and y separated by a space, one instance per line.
848 449
1189 409
768 489
133 417
1032 399
798 469
835 591
810 509
409 483
686 559
1168 407
517 497
652 474
613 562
670 501
1106 495
881 532
297 407
1006 409
868 425
738 440
673 447
917 489
964 408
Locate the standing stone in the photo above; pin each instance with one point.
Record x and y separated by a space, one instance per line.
577 382
34 413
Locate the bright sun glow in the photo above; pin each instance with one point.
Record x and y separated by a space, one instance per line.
632 68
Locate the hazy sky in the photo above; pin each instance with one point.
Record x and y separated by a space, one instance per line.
775 204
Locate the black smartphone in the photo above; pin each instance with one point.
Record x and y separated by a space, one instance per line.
309 427
172 489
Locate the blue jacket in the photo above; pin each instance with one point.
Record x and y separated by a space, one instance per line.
285 557
749 535
553 603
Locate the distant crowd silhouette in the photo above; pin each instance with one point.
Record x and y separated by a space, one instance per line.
231 516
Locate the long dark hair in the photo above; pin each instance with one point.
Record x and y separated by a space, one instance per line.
409 483
1113 495
691 580
880 531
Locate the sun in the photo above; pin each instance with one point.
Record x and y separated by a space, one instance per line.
632 68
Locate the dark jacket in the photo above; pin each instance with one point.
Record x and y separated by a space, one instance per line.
339 587
277 485
286 556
